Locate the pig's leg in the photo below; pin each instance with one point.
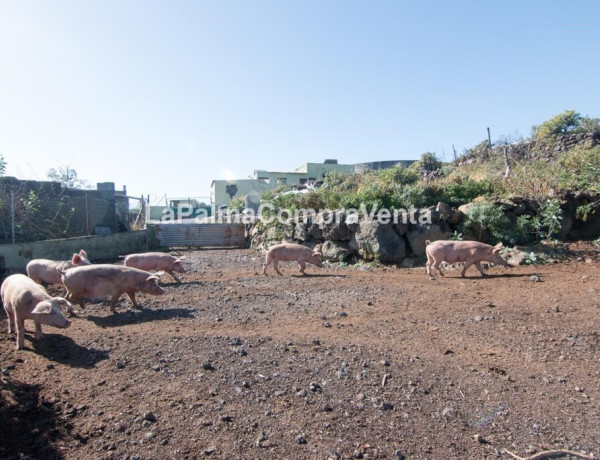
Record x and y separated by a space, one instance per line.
71 298
131 296
437 265
20 333
480 268
468 263
302 267
267 262
276 266
113 302
38 331
173 276
11 322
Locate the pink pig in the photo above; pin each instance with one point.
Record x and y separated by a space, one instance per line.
46 270
291 252
156 261
24 299
108 280
469 252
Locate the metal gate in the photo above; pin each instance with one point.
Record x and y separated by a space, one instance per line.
201 235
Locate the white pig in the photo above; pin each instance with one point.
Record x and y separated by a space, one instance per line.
291 252
46 270
156 261
24 299
108 280
469 252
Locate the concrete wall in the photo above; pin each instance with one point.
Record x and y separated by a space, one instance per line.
268 180
361 167
98 248
318 170
220 196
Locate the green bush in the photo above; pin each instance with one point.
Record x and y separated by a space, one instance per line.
579 169
567 122
429 162
547 221
486 217
465 191
237 204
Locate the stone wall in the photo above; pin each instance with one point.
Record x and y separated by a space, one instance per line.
346 238
535 149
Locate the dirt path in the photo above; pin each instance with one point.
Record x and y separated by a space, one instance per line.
347 363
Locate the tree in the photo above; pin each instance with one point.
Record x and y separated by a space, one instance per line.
429 162
2 166
568 122
67 177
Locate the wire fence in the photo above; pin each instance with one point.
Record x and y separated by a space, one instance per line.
33 211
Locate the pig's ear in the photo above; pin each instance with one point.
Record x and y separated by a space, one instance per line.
318 249
181 257
83 254
44 308
497 248
152 277
158 274
63 301
76 259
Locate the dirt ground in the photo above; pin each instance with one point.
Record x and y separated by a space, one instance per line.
348 362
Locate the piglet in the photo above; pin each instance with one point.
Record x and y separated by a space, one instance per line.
46 270
469 252
291 252
156 261
108 280
24 299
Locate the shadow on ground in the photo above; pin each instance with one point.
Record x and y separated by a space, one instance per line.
63 350
30 427
140 316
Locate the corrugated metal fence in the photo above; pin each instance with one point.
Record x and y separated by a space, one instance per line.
201 235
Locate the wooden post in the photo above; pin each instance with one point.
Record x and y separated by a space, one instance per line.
12 214
489 138
507 163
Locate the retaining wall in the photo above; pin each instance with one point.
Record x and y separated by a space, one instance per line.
14 257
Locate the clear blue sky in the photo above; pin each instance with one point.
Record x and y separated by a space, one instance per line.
165 96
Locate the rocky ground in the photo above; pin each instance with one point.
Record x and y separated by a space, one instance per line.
349 362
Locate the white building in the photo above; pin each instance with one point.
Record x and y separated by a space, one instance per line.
223 191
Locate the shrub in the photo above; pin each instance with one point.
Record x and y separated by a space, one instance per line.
429 162
486 217
237 204
579 169
567 122
547 221
465 191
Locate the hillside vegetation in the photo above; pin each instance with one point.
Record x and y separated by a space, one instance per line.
554 175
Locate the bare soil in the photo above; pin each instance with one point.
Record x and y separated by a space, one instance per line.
347 362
